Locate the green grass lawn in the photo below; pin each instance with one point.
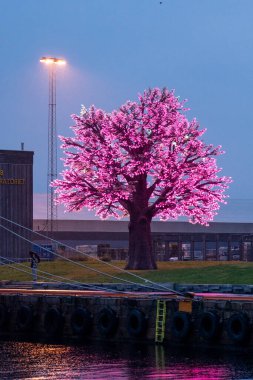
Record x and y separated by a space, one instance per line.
195 272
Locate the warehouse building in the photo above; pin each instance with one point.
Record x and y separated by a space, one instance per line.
16 202
171 240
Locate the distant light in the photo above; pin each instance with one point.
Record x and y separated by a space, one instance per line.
52 60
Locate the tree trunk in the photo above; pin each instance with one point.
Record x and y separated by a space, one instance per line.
140 244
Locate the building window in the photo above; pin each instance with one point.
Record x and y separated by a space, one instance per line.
247 251
173 251
211 253
235 250
223 250
159 246
186 250
198 250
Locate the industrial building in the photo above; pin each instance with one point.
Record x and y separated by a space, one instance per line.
171 240
16 201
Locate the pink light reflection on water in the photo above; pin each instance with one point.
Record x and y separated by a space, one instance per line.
62 362
189 372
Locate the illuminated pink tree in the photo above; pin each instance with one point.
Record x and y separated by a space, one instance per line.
143 160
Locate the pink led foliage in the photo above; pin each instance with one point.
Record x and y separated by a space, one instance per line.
143 160
150 141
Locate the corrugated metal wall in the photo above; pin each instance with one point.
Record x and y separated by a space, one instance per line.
16 201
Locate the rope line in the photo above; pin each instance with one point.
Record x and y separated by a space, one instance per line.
71 261
26 271
76 263
52 276
86 255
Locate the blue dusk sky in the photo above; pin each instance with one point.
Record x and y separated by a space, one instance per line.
117 48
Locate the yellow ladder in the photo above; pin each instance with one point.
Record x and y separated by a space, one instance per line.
160 321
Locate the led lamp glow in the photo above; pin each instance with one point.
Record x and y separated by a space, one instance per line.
51 61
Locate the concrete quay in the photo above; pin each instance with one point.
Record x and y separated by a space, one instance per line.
204 319
123 287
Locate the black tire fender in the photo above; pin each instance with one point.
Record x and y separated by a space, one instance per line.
238 327
3 315
209 326
180 325
24 317
107 322
81 321
136 323
53 322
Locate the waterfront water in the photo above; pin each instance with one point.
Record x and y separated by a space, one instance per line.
38 361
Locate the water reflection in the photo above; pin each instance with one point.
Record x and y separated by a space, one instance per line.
44 361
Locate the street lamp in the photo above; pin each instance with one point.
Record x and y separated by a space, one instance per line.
52 62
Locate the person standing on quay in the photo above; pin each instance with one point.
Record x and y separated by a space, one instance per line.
35 259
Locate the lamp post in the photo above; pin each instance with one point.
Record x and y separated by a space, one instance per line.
52 62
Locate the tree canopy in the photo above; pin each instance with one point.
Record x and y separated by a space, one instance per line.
144 155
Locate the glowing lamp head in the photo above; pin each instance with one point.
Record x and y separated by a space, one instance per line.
52 60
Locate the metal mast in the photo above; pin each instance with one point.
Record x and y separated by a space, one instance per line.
52 142
52 149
